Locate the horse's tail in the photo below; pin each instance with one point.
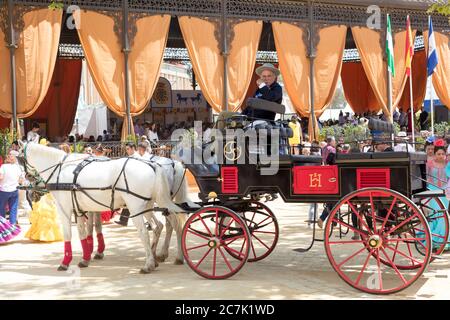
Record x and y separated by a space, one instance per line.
180 186
162 192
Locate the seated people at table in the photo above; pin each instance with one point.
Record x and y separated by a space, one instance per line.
269 89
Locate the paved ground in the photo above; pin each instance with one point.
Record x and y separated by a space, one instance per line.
28 270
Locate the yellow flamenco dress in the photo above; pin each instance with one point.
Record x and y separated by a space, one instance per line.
45 225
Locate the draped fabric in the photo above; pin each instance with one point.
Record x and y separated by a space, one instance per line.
103 51
419 78
60 104
441 75
357 89
294 66
35 61
371 52
208 63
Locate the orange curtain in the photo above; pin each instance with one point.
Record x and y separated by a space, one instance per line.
35 61
419 78
60 104
207 61
357 89
371 52
441 75
103 51
294 66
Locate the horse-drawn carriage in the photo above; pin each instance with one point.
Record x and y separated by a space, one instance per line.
380 198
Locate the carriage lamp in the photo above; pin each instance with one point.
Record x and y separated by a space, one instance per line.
212 195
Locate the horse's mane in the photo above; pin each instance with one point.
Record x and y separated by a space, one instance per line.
53 154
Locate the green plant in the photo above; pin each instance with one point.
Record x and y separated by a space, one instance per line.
56 5
441 7
442 128
132 138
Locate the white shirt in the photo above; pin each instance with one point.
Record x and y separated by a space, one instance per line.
207 135
32 137
152 136
11 173
402 147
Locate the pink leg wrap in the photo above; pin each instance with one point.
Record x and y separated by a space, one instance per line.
90 242
85 246
101 243
67 253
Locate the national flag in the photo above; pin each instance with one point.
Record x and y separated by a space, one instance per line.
390 47
409 47
432 53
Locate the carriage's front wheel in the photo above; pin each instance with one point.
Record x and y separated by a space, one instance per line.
263 227
207 243
384 225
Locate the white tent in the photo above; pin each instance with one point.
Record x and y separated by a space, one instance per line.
90 120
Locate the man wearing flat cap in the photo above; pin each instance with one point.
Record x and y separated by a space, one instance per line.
269 90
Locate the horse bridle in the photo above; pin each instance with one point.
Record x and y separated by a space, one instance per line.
55 167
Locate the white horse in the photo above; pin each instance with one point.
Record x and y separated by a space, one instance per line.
142 187
176 177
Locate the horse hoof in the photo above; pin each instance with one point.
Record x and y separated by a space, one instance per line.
63 268
156 264
83 264
161 258
99 256
144 271
178 262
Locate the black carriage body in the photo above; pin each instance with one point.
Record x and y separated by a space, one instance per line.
304 179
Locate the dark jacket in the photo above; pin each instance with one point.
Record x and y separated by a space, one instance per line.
274 93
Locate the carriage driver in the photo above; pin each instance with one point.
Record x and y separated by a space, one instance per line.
269 89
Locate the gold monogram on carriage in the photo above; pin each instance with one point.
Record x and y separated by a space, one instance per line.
315 180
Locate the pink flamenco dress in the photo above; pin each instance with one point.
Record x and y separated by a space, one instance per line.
7 230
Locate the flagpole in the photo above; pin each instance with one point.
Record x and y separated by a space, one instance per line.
431 104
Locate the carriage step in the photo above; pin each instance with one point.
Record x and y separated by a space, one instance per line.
438 257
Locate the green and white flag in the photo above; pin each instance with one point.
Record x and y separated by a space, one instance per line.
390 47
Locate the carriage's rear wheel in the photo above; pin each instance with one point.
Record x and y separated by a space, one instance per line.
385 222
207 243
263 227
438 220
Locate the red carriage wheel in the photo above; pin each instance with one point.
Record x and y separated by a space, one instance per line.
438 220
207 243
386 223
263 227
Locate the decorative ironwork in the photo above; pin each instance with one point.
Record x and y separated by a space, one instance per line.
267 10
230 24
18 22
133 17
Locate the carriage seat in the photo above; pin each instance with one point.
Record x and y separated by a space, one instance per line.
411 156
354 156
265 105
204 170
300 159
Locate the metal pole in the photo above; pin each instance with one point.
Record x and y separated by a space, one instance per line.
412 110
312 56
126 51
431 103
389 86
224 54
12 55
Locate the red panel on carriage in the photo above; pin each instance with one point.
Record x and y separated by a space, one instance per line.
366 178
315 180
230 182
